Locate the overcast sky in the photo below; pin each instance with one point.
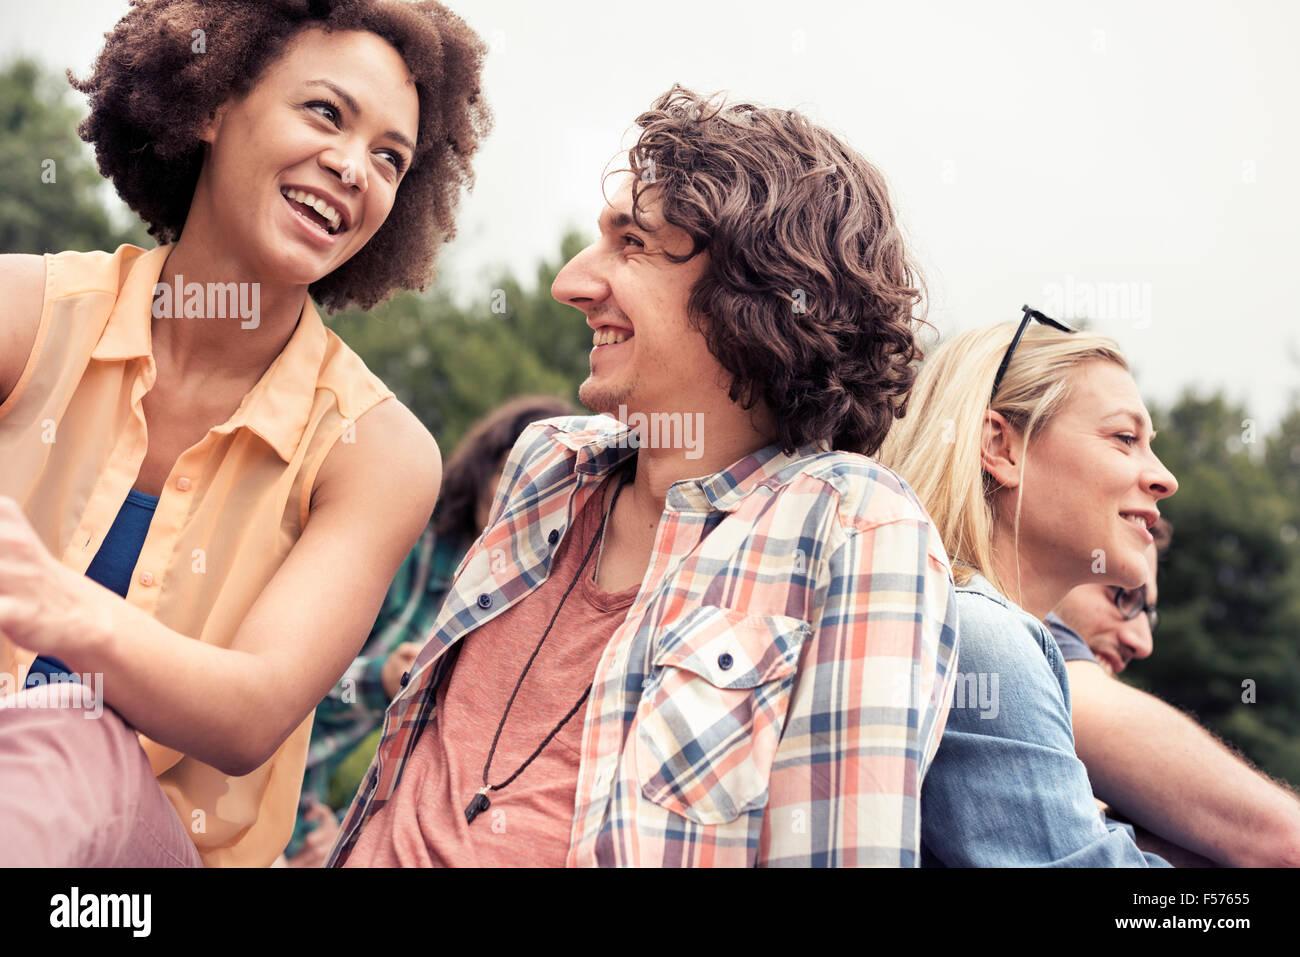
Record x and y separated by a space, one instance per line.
1134 161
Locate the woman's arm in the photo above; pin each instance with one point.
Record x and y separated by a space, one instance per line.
231 708
22 294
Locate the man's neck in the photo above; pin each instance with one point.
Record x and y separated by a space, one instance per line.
722 440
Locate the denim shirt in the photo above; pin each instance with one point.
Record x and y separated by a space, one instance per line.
1005 788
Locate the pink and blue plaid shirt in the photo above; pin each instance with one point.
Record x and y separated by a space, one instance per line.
779 685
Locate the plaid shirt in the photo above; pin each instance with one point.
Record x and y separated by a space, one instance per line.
779 685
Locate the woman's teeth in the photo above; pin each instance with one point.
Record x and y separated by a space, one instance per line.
314 202
606 337
1137 520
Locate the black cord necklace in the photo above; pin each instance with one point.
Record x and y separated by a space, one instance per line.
480 803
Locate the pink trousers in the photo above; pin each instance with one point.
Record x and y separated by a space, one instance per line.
76 790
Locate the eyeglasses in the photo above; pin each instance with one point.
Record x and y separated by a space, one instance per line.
1132 602
1015 341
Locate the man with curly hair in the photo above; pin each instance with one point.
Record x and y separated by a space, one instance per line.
724 645
200 514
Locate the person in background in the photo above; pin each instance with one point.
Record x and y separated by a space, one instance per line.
1192 799
1031 450
348 719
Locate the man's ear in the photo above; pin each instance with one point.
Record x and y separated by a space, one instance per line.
1000 450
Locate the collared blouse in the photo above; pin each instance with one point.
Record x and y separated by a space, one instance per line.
72 439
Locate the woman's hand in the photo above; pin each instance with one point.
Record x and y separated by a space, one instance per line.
45 607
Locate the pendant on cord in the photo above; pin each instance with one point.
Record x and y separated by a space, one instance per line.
477 805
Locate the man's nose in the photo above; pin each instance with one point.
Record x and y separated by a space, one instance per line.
581 283
1135 638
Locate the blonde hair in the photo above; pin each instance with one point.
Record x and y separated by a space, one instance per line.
936 448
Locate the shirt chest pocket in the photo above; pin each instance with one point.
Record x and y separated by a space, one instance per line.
714 709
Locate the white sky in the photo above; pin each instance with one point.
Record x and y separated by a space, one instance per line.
1036 152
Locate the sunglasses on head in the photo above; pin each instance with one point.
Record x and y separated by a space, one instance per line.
1132 602
1037 316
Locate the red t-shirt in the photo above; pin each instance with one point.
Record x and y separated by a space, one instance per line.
529 821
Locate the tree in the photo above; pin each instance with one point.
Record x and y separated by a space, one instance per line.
1230 582
52 197
451 365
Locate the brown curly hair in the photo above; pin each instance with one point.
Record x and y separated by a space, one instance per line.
150 97
808 298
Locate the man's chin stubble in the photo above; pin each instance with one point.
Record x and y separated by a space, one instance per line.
600 399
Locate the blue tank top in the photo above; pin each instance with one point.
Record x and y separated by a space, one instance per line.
113 566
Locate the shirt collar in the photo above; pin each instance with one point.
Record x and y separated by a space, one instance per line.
127 335
605 445
277 408
978 583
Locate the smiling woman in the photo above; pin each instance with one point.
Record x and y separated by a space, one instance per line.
156 86
178 508
1048 484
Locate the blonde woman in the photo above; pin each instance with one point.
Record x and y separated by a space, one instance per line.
1031 449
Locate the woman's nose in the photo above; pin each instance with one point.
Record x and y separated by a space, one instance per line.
1160 481
347 166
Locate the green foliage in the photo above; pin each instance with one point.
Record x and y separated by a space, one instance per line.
51 199
451 365
1230 582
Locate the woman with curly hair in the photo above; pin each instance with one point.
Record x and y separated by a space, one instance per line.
205 492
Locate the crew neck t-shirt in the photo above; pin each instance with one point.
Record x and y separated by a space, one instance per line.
528 822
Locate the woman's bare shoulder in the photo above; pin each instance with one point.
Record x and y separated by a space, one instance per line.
22 294
390 448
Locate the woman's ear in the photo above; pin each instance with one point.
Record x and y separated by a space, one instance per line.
212 125
1000 448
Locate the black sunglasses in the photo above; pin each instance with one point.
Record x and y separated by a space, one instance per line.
1132 602
1015 341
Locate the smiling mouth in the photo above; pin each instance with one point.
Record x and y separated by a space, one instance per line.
314 210
609 336
1139 522
1110 662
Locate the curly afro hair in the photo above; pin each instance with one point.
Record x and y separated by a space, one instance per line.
150 96
808 297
